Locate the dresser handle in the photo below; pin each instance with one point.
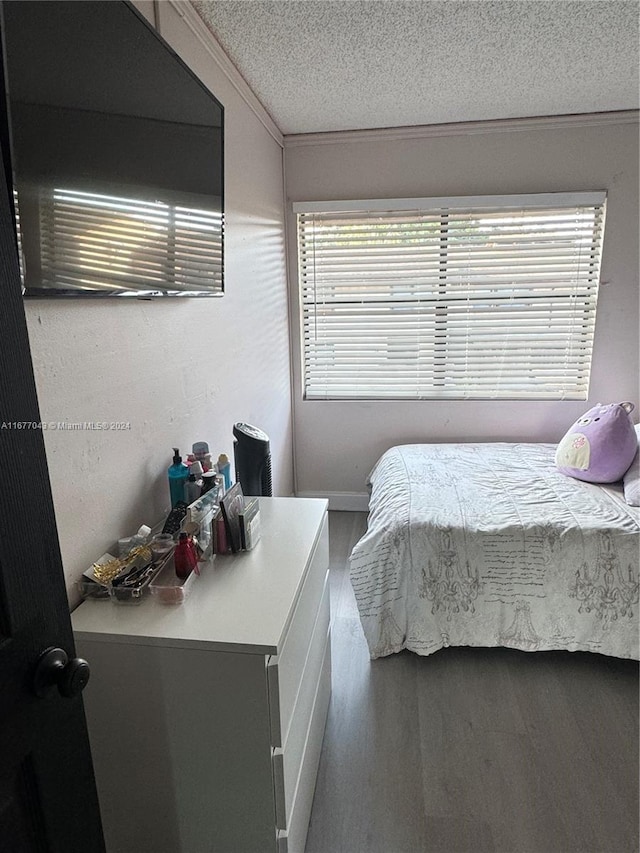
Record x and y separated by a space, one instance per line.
278 788
273 686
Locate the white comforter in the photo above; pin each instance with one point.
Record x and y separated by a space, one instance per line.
488 545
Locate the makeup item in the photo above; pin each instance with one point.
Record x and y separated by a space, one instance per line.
161 544
208 463
141 537
220 485
185 558
208 481
220 544
197 469
192 529
224 468
200 450
250 524
177 473
231 505
200 506
192 489
198 521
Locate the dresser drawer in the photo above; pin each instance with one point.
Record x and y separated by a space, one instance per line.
295 767
296 742
299 785
285 671
287 761
298 819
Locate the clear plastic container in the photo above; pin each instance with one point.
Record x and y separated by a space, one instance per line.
162 544
88 586
120 593
92 589
170 589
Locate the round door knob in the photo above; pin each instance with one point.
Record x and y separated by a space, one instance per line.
54 669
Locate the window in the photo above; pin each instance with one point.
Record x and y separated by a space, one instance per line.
485 297
94 241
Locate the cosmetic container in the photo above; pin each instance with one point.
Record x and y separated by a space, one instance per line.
208 481
168 588
192 489
141 537
224 467
197 469
161 544
220 485
200 450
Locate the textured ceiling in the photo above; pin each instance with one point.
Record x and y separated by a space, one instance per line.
324 65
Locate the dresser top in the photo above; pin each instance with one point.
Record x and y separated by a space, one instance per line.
241 602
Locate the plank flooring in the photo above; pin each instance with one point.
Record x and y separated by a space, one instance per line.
471 750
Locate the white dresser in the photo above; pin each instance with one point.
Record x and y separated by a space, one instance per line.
206 719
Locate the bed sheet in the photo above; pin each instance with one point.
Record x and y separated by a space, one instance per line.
489 545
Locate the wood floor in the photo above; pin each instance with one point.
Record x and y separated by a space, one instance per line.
472 750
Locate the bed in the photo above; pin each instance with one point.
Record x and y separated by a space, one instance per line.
489 545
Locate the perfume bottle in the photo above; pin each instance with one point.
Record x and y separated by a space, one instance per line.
185 558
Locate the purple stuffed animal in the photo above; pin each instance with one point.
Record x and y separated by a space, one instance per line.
600 446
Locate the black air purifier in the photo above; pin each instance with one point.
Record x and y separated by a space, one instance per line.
253 460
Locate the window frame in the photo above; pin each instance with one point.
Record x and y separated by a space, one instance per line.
457 205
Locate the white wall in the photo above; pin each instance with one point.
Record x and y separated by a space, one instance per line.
338 442
178 371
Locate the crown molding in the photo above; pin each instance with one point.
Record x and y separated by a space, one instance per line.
467 128
199 29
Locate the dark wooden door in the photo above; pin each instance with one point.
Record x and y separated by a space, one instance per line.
48 799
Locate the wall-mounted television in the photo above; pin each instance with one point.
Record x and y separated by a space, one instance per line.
114 151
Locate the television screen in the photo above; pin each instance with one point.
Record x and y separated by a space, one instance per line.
116 155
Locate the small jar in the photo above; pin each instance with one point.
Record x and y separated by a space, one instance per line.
208 481
161 544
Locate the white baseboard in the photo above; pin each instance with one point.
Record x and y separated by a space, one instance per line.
343 501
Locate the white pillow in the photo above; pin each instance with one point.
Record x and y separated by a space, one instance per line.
631 480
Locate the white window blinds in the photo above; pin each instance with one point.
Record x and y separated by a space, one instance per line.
486 297
91 240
